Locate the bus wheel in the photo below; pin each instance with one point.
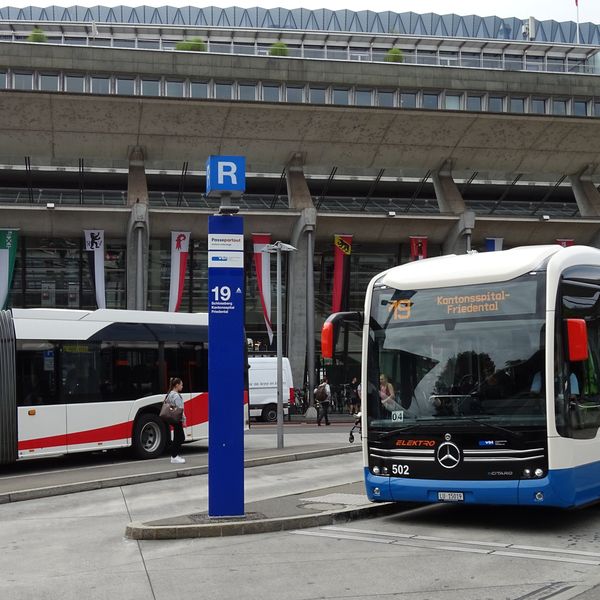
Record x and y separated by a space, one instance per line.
149 436
269 413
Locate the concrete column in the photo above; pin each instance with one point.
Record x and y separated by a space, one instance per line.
585 192
137 187
448 195
450 200
138 233
300 297
459 238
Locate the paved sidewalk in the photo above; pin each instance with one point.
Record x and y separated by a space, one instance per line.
338 504
44 484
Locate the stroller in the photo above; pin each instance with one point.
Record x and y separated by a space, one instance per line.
356 427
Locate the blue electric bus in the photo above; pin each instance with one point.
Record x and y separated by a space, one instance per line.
480 378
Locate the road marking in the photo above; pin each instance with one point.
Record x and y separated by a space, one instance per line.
579 561
565 555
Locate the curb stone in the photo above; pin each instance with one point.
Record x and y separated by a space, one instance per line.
147 531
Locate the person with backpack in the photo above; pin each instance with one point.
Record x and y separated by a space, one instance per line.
323 397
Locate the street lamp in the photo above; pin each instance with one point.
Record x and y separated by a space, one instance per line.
278 248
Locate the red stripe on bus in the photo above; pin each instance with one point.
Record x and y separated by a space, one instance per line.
196 411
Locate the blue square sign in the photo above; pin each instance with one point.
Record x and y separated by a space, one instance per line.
225 174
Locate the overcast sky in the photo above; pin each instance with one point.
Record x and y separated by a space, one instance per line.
559 10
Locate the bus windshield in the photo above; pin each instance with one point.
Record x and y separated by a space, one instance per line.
469 356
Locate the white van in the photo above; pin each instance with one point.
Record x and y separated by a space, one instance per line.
262 384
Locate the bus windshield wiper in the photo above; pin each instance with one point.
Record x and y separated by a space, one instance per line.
491 425
386 434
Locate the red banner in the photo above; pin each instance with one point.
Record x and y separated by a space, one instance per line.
565 243
418 247
180 244
341 272
262 262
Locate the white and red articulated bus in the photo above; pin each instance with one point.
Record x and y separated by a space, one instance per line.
77 381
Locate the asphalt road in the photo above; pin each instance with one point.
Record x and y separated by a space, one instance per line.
72 546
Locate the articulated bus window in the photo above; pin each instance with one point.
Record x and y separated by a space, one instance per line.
79 372
36 373
188 362
129 370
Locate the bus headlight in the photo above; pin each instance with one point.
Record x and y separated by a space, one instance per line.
384 471
527 473
539 473
376 470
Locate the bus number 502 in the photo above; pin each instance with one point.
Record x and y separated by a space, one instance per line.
400 470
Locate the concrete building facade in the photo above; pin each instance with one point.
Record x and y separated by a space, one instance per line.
482 128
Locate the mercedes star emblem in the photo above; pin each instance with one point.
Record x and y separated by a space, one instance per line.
448 455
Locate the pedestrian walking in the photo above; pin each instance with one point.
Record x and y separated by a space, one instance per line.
354 398
323 397
175 400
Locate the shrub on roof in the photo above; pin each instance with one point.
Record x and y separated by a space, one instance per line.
37 35
394 55
193 44
278 49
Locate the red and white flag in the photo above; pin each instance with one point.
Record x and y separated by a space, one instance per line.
565 243
180 245
418 247
262 262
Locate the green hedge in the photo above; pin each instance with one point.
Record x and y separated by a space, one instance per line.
279 49
37 35
193 44
394 55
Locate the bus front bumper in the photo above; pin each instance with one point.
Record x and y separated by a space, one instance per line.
545 491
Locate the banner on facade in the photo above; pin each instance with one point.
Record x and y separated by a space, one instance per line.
262 262
94 245
418 247
342 249
493 244
564 242
180 246
8 251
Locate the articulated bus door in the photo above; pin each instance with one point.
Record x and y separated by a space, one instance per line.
8 390
42 413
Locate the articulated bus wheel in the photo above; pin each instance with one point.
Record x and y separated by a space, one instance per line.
149 436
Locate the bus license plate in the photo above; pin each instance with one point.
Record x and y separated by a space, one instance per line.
451 496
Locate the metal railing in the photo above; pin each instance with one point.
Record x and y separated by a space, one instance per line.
507 62
266 202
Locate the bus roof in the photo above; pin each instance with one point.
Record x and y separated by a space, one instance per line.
467 269
108 315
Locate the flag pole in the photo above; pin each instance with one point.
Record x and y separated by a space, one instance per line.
578 32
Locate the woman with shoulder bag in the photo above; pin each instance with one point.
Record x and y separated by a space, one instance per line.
172 413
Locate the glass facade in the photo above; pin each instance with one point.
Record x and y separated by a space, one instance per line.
55 273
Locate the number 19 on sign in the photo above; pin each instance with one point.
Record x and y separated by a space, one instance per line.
221 293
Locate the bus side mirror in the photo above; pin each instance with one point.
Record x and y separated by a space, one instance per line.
327 340
577 340
328 330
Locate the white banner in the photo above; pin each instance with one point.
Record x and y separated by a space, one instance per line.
94 244
180 245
